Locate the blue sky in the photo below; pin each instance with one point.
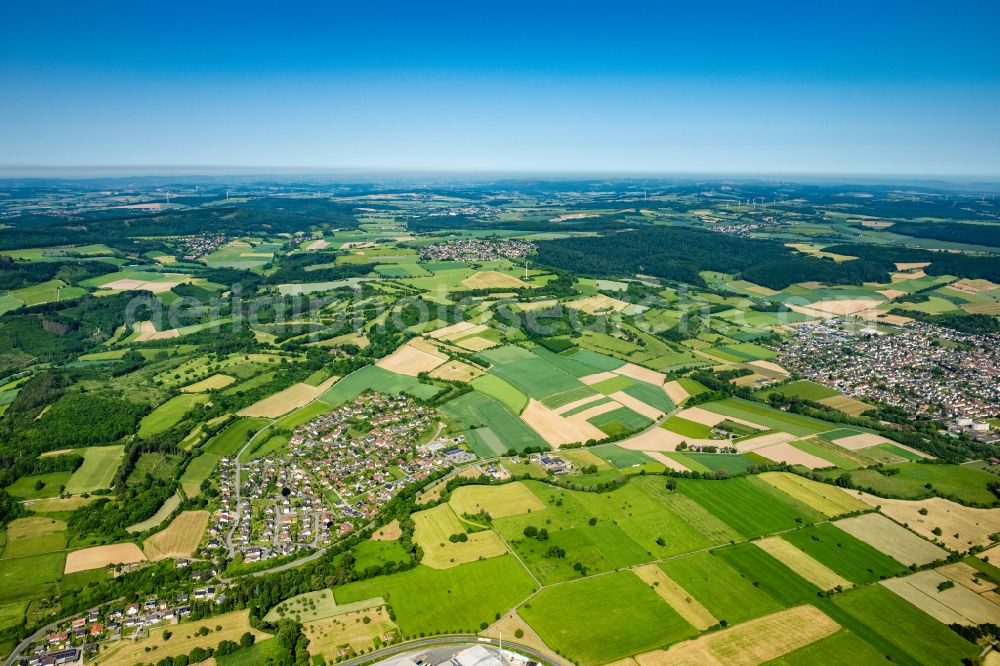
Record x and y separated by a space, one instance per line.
754 87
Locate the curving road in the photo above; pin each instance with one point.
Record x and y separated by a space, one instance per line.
438 641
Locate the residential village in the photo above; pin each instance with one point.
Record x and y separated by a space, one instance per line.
919 367
471 249
338 471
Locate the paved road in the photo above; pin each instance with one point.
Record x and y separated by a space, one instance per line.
239 488
456 639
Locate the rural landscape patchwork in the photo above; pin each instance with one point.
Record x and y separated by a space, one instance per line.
500 334
595 422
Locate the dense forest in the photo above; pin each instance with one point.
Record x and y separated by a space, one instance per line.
117 227
955 232
680 254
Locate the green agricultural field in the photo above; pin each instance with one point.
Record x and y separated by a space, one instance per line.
495 429
692 386
46 292
768 574
54 482
897 628
796 424
599 620
687 428
8 303
962 482
620 457
841 648
727 593
28 577
617 383
12 614
750 506
654 396
620 422
836 456
233 437
374 378
497 388
597 548
169 413
199 469
377 553
33 536
100 464
804 389
455 600
850 557
536 377
570 362
733 463
597 362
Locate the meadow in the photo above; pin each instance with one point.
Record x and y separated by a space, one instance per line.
199 469
233 437
169 413
848 556
726 592
599 620
100 463
459 599
796 424
750 506
374 378
504 430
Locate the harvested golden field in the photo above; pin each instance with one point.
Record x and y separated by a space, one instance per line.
981 308
597 304
642 374
787 453
973 527
954 605
101 556
636 405
455 330
966 576
493 280
669 463
974 286
846 404
892 539
764 440
209 384
388 532
282 402
597 377
456 371
409 360
509 499
180 538
829 500
341 635
845 307
126 284
801 563
862 441
434 527
661 439
476 343
750 643
676 596
676 392
555 429
184 638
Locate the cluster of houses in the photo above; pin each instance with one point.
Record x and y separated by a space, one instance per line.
922 368
471 249
194 248
70 642
337 472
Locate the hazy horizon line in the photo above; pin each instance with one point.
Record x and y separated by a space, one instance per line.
83 172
